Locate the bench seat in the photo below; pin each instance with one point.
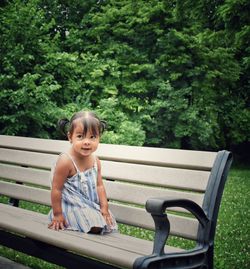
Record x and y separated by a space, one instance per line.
116 248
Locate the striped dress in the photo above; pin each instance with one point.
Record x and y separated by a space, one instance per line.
80 202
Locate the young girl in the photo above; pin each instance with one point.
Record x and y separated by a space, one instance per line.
78 195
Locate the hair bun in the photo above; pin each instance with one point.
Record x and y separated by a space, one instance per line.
62 124
104 125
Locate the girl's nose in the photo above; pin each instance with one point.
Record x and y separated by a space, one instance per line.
86 141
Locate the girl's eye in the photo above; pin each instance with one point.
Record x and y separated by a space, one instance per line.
79 136
93 137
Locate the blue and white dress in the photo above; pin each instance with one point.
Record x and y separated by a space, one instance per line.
80 202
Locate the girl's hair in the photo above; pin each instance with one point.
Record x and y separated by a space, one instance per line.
90 122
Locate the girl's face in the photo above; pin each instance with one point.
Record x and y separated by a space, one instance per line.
83 144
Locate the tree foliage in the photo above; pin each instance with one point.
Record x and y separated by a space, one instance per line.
162 73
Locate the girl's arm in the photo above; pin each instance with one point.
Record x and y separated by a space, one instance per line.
60 175
102 195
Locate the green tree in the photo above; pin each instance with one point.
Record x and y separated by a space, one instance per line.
179 70
25 97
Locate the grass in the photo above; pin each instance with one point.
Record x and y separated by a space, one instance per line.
232 241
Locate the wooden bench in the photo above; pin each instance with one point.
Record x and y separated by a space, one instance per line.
189 184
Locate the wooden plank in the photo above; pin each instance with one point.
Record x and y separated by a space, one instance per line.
27 158
25 174
138 194
26 193
140 246
34 144
153 175
162 176
179 225
198 160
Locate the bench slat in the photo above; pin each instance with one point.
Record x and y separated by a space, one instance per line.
25 174
197 160
34 144
125 214
170 177
159 176
125 192
26 193
179 225
27 158
115 190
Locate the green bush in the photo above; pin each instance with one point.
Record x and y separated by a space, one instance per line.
178 70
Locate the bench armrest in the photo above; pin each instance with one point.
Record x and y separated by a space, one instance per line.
157 206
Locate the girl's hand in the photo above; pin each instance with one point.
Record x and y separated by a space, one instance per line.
107 217
58 222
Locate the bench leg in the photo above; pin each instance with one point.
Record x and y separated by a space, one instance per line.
14 201
210 255
190 260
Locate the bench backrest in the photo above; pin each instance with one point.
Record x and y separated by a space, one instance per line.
131 175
